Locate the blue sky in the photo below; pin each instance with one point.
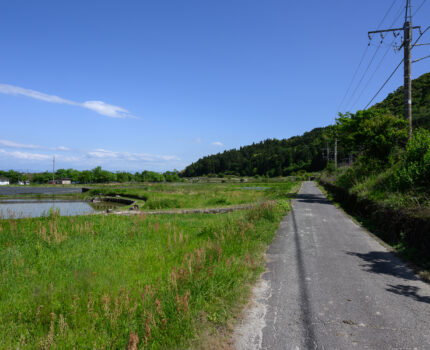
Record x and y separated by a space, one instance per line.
155 85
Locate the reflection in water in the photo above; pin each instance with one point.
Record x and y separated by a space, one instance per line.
23 208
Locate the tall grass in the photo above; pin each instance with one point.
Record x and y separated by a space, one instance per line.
185 196
106 282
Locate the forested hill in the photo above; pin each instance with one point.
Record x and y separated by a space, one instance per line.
420 101
270 157
282 157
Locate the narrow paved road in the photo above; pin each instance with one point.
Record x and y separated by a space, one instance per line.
329 285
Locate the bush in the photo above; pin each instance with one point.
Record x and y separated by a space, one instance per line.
415 167
218 201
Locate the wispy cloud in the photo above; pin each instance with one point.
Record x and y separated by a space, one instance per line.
84 158
128 156
25 155
13 144
17 145
97 106
217 143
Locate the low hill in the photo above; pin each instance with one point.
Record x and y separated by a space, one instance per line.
274 157
271 157
420 101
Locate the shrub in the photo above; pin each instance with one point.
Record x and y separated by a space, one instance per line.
415 167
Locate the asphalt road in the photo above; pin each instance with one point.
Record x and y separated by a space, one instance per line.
329 285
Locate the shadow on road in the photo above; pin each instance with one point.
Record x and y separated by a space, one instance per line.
408 291
312 198
385 263
388 264
310 339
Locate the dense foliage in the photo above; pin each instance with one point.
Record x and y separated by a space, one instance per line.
271 157
373 134
414 166
389 168
96 175
420 101
307 152
13 176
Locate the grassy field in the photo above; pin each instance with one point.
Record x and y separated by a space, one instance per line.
152 282
188 195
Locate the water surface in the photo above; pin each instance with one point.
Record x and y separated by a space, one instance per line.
30 208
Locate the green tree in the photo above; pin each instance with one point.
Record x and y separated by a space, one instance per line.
372 133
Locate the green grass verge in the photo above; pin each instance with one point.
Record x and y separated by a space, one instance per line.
115 282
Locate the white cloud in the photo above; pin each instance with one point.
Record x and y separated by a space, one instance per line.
217 143
25 155
99 107
128 156
13 144
17 145
75 158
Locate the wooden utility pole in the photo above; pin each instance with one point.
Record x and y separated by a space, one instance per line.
335 153
407 47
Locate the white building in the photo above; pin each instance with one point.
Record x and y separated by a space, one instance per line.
4 181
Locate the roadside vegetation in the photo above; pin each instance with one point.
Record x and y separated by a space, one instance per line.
388 185
151 282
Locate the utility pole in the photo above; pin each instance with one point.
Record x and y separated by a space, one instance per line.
407 47
335 153
328 153
53 170
407 44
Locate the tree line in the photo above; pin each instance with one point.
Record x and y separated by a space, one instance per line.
308 152
96 175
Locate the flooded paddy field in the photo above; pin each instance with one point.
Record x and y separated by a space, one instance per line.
30 208
24 190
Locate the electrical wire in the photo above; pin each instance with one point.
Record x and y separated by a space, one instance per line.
385 83
386 14
363 75
399 13
419 8
362 59
395 70
420 59
353 77
379 64
373 75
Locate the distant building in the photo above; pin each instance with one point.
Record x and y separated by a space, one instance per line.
26 182
4 181
63 181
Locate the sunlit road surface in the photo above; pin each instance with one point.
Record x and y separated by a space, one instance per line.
329 285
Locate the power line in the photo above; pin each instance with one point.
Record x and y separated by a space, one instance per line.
420 59
395 70
363 75
386 14
362 59
373 74
353 77
385 83
419 8
397 16
380 62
